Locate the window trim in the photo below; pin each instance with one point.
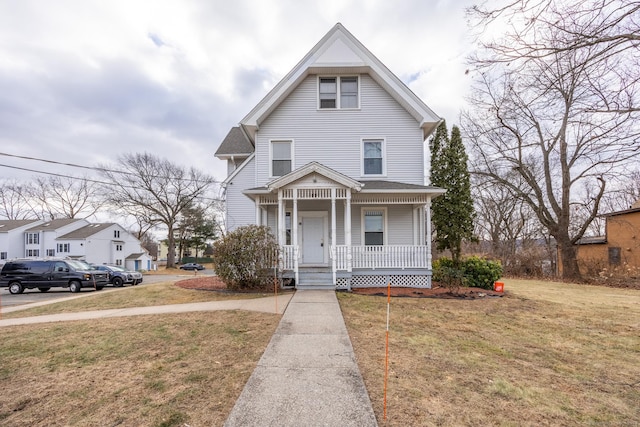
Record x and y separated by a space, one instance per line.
385 228
384 157
338 92
292 146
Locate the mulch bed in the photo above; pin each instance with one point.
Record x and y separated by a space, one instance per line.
213 283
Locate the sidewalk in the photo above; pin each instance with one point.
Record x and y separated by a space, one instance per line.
308 374
265 305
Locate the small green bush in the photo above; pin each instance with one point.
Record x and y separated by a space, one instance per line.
473 271
244 258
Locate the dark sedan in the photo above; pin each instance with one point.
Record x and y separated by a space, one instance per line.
191 266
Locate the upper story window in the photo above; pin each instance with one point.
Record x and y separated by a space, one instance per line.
281 157
64 247
33 238
3 255
338 92
116 234
373 157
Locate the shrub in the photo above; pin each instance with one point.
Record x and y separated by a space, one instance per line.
473 271
244 258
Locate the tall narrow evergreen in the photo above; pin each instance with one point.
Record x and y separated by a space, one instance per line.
453 212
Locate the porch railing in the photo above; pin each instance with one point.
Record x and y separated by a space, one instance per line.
366 257
386 256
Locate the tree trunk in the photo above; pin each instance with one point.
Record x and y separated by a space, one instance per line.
171 254
570 270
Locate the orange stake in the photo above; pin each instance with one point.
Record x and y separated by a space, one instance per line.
386 355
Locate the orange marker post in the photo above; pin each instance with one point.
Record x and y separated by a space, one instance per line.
386 356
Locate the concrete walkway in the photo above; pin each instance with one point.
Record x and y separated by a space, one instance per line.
265 305
308 374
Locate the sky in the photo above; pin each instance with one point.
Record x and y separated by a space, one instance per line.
83 81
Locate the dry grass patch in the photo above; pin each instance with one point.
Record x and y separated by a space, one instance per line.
139 371
131 296
545 354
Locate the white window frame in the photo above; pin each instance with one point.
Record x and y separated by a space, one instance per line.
384 156
64 247
385 229
276 141
33 239
33 253
3 255
338 94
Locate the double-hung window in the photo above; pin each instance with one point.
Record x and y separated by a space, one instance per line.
64 247
281 157
373 157
33 238
338 92
373 220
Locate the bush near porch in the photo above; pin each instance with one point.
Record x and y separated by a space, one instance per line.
473 272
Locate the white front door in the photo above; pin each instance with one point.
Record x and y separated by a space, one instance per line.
313 239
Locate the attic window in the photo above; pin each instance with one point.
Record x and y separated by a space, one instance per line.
338 92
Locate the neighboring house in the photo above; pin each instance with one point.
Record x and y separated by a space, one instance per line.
73 238
333 160
12 237
41 240
106 243
620 246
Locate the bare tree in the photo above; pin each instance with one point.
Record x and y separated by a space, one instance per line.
60 197
559 107
14 201
154 189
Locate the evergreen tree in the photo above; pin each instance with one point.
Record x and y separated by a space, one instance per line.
453 212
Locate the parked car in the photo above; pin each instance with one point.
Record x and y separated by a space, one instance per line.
192 266
118 276
22 274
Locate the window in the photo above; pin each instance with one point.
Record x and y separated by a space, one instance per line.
33 252
374 226
64 247
614 256
118 247
3 255
118 262
116 234
338 92
372 157
51 252
33 238
281 157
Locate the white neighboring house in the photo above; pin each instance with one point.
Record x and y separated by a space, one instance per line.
41 240
333 160
12 237
106 243
74 238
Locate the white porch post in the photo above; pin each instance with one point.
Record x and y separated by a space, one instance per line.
428 233
333 233
258 212
294 235
281 224
347 230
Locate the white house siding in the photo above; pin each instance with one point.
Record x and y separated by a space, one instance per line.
240 209
333 137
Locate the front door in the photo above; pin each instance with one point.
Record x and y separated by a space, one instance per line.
313 240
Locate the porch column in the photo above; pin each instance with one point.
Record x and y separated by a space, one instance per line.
281 224
333 233
258 212
428 233
347 229
294 235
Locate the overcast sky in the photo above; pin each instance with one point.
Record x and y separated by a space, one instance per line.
84 80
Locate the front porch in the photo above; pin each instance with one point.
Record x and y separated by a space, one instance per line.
362 266
337 232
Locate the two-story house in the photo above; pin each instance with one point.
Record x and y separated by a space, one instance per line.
41 239
105 243
333 160
12 237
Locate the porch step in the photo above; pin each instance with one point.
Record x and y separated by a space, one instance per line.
315 278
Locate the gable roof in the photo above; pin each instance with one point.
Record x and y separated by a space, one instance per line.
54 224
86 231
235 143
7 225
340 52
319 169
